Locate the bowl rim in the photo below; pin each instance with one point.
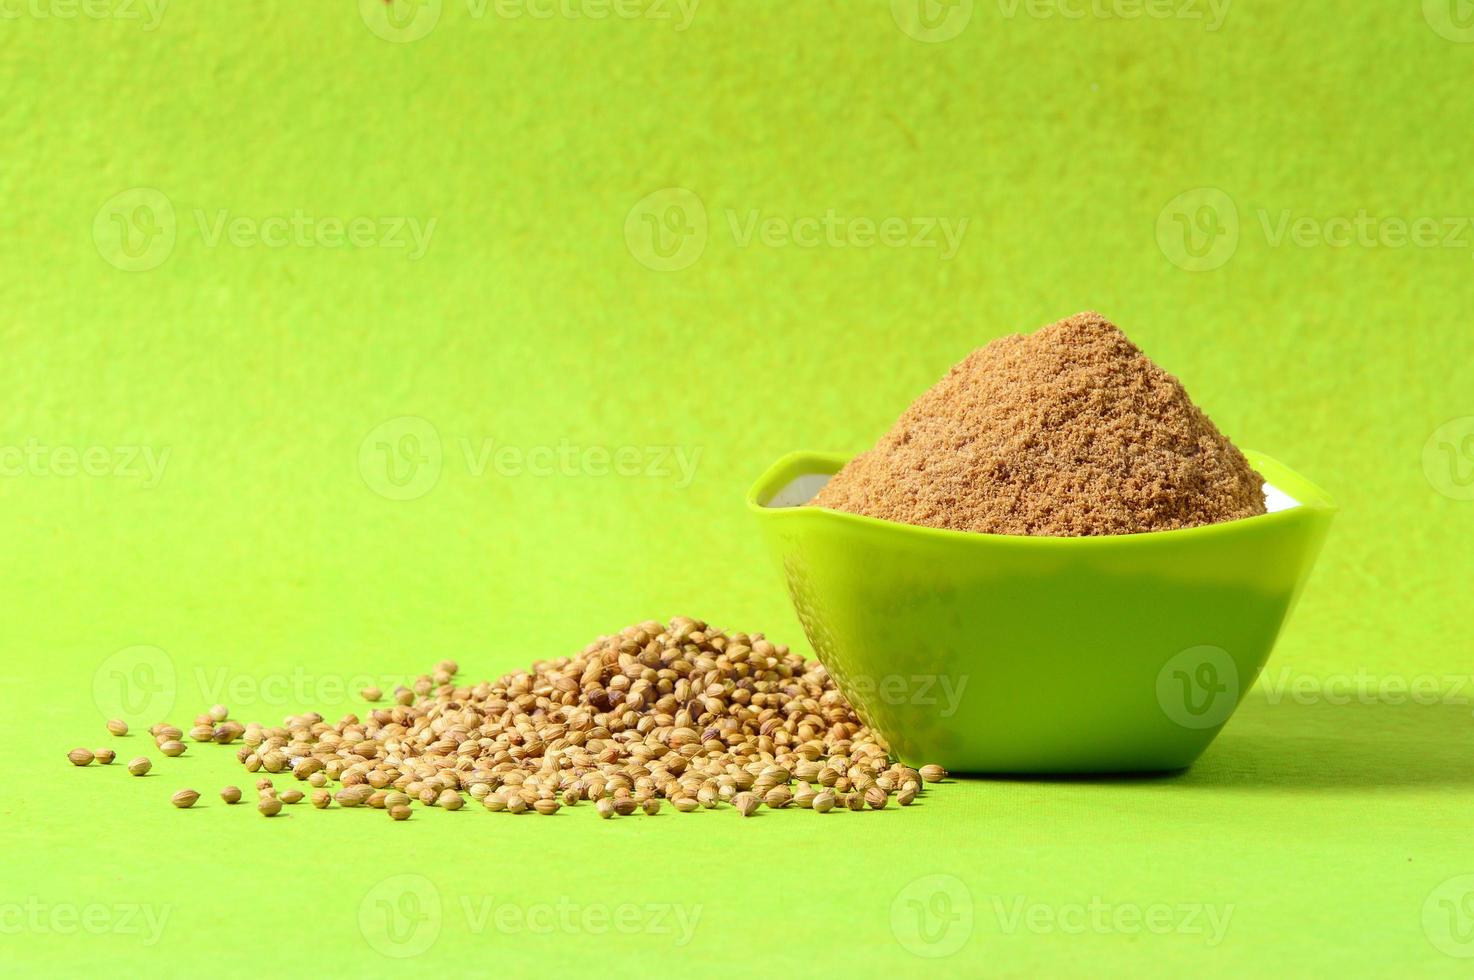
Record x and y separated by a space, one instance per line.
1311 502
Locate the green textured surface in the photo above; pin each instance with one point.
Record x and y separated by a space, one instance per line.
263 555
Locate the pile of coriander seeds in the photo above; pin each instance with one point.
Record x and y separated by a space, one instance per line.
683 714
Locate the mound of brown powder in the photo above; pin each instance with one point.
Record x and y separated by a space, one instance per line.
1068 431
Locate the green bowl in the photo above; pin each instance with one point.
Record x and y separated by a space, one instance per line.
992 653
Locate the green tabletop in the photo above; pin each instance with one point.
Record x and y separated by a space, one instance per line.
343 338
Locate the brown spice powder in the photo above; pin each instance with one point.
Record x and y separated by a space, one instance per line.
1069 431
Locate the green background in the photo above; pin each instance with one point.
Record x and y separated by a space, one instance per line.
266 568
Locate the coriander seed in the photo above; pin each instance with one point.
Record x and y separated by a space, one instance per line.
184 799
172 748
231 794
139 766
80 757
118 727
933 773
290 796
269 806
321 799
605 808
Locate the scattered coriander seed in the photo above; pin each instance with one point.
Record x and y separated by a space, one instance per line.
167 732
605 808
184 799
449 799
139 766
855 801
219 713
933 773
548 807
118 727
290 796
263 783
202 733
651 806
172 748
803 797
516 805
778 797
624 806
396 799
321 799
906 797
269 806
684 804
317 780
876 798
823 801
495 802
231 794
746 804
378 799
372 693
400 812
448 667
80 757
104 757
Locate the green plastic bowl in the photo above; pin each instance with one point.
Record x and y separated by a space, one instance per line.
991 653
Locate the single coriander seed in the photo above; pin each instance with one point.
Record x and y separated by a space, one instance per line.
269 806
184 799
80 757
172 748
291 796
933 773
231 794
139 766
118 727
